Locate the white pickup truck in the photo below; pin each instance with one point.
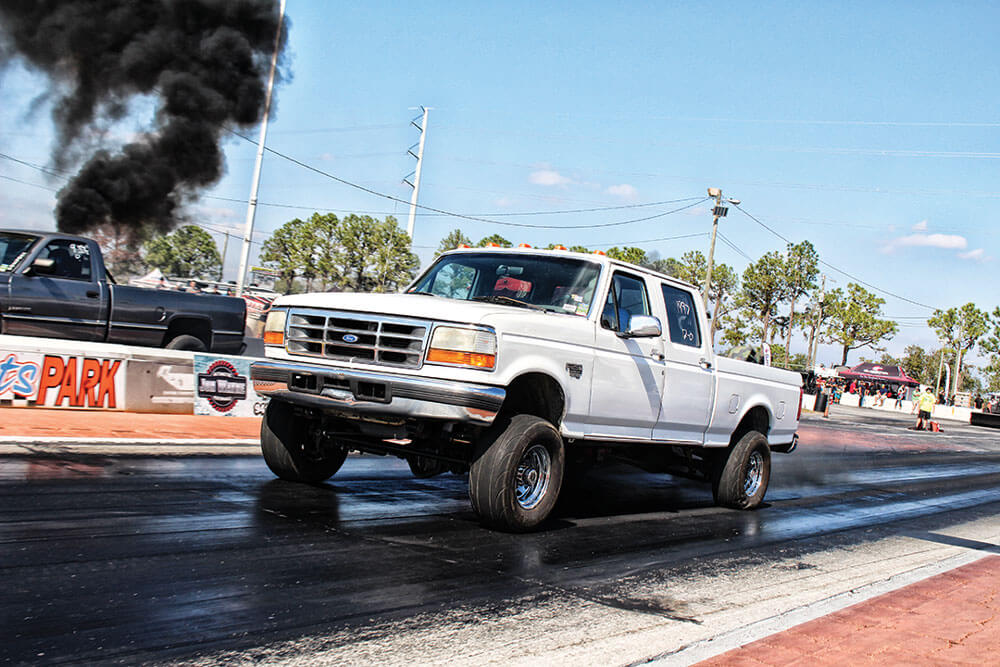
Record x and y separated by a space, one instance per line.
511 363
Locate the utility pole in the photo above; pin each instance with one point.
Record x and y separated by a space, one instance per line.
255 185
718 211
225 251
818 314
419 155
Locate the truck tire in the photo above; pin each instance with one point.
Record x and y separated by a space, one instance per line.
284 445
186 342
515 478
740 480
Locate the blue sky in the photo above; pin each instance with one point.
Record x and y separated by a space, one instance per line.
868 128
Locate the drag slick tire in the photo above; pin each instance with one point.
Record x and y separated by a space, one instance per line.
515 478
288 451
740 480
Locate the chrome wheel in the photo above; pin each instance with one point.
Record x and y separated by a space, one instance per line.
532 480
754 475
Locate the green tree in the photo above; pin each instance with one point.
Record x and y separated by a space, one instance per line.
579 248
855 321
914 363
290 251
494 238
959 329
373 255
454 239
801 269
189 252
629 254
762 290
820 312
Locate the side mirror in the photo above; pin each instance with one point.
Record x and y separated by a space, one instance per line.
40 266
643 326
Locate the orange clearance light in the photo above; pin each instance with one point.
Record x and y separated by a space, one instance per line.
523 245
558 247
464 245
600 252
464 358
492 245
274 338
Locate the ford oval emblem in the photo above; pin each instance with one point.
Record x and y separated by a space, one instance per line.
349 338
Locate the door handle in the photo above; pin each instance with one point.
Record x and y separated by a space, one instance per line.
93 294
659 356
704 363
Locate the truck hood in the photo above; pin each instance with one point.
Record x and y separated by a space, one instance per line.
439 309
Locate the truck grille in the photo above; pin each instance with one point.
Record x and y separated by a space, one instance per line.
361 337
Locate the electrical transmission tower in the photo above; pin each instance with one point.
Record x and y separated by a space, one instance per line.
415 174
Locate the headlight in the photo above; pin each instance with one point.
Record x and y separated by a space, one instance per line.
474 348
274 327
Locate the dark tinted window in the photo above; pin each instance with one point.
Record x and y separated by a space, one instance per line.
627 297
72 258
681 316
13 248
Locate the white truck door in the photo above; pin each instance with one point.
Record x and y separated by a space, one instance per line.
628 372
688 393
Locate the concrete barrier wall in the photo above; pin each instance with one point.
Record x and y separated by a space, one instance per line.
949 412
144 379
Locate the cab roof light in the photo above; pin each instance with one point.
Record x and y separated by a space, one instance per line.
464 245
558 247
492 245
523 245
600 252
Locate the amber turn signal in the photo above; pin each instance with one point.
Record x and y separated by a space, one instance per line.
473 359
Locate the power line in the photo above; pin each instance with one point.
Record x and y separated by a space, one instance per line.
664 238
35 185
38 167
837 269
462 216
736 248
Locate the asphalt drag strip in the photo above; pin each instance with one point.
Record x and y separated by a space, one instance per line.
209 559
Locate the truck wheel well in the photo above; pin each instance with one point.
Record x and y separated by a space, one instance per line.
535 394
756 419
198 328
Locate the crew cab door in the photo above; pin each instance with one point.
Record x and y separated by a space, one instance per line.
628 372
689 387
68 301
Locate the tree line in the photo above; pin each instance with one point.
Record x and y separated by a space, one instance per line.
779 294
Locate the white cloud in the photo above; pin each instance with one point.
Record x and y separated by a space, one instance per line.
920 226
977 255
625 191
548 177
945 241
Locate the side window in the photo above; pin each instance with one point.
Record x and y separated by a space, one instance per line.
681 316
72 259
627 297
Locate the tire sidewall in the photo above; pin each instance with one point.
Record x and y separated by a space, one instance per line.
280 435
498 461
730 490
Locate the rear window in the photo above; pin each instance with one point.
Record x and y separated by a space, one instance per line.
13 248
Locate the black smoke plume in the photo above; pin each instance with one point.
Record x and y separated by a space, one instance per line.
204 61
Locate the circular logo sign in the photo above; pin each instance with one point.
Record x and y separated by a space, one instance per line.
349 338
222 386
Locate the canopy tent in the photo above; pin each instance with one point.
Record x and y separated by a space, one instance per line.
879 373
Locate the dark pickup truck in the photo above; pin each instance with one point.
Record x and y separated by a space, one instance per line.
55 285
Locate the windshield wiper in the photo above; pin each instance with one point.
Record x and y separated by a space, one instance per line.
509 301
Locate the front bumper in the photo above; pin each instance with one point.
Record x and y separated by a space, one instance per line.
376 395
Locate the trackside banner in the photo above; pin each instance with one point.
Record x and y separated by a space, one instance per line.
60 381
223 387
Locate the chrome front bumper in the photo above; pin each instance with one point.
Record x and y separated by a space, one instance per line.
363 393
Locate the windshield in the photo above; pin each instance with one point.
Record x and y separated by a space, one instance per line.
551 283
13 248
